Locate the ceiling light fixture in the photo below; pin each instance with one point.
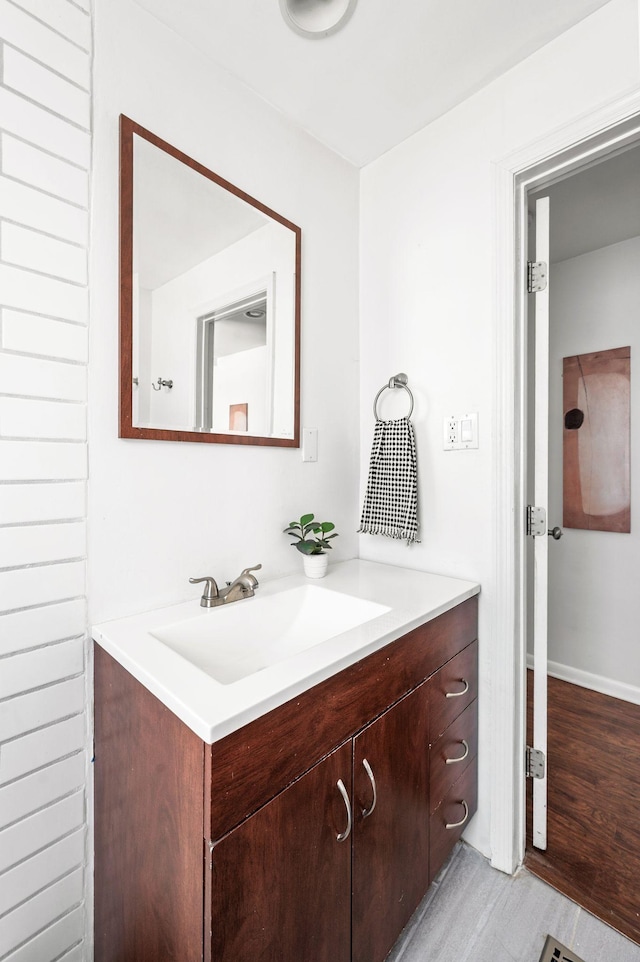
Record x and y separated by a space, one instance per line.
316 18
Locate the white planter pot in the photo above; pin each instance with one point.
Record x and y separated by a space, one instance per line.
315 565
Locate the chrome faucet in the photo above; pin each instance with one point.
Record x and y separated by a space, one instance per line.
244 586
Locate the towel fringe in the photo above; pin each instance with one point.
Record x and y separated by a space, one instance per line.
399 534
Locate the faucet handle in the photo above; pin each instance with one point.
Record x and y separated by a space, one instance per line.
210 592
246 573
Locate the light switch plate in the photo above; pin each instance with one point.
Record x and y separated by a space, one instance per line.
309 444
460 431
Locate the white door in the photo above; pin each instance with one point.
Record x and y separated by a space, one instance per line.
541 541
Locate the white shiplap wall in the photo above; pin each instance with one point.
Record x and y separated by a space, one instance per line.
45 153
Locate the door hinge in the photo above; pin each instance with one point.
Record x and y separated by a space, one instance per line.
536 276
536 521
535 763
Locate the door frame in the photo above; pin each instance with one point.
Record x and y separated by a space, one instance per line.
564 151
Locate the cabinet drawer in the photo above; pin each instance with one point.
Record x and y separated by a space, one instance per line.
456 810
456 747
452 689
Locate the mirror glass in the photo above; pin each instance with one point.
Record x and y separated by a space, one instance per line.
210 304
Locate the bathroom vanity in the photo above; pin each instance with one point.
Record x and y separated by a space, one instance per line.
303 817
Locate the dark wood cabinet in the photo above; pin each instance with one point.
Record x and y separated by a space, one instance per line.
453 752
281 881
240 843
390 840
450 754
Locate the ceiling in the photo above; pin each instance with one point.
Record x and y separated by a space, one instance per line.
392 69
594 208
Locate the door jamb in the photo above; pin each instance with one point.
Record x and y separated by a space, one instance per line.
564 151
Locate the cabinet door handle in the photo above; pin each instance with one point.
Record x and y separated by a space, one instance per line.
466 816
366 812
454 761
343 836
457 694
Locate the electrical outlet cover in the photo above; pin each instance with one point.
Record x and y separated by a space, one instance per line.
460 431
450 431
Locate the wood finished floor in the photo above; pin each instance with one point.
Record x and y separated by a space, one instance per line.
593 853
473 913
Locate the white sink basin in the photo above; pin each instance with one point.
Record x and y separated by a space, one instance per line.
232 642
222 668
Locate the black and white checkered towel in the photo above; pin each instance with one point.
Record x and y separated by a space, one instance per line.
391 499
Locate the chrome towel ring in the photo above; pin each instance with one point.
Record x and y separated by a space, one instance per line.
398 380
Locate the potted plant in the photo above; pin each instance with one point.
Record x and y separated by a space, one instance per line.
312 540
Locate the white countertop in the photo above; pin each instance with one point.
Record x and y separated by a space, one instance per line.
213 710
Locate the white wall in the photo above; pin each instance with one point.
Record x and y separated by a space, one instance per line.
160 512
594 606
45 151
242 378
428 299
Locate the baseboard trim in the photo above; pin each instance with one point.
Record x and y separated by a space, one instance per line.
585 679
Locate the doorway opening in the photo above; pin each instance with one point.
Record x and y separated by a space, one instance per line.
592 609
234 366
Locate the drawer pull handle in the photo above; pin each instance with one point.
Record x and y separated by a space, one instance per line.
454 761
343 836
457 694
466 816
366 812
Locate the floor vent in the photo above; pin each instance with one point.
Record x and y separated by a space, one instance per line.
555 951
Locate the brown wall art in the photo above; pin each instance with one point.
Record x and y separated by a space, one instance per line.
596 442
238 417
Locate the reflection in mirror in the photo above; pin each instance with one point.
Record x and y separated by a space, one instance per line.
210 302
233 353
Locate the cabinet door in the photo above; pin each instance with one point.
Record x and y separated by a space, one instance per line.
281 882
391 840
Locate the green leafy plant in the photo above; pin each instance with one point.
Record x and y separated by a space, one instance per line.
312 537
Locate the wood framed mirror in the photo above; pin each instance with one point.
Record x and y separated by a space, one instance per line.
209 304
